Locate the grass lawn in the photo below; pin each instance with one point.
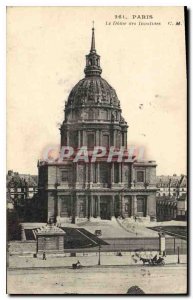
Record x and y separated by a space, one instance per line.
178 231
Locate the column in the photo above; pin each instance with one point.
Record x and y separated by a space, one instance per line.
91 206
121 199
79 138
76 174
114 138
72 205
84 138
123 173
91 173
86 213
113 206
59 207
120 169
132 176
125 139
97 138
67 137
77 206
134 204
112 173
98 173
99 207
146 206
162 243
100 138
86 174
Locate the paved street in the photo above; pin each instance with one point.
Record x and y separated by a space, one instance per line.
17 261
98 280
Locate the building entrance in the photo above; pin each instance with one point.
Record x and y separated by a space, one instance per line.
105 210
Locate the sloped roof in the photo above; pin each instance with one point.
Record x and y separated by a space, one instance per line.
172 181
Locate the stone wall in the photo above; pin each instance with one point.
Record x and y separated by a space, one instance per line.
151 205
50 243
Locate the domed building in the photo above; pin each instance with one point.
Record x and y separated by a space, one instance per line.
74 190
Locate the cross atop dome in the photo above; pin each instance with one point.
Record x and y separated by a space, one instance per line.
92 59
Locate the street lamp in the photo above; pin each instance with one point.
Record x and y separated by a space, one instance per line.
178 255
99 261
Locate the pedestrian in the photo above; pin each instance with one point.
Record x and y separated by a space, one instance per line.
135 218
44 256
78 263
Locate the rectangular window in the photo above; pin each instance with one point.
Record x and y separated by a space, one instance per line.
104 173
140 176
116 172
65 175
140 205
90 140
65 207
106 140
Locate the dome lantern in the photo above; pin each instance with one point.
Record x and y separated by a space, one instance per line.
92 60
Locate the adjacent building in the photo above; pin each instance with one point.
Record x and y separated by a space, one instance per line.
172 186
20 187
171 195
70 190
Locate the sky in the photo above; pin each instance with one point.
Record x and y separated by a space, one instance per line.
46 48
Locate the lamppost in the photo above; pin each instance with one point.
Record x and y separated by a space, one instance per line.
99 261
178 255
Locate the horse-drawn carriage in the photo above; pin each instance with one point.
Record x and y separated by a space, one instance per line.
153 261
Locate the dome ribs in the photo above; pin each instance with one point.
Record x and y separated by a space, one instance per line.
93 89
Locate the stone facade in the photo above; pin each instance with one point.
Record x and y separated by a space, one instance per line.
72 190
